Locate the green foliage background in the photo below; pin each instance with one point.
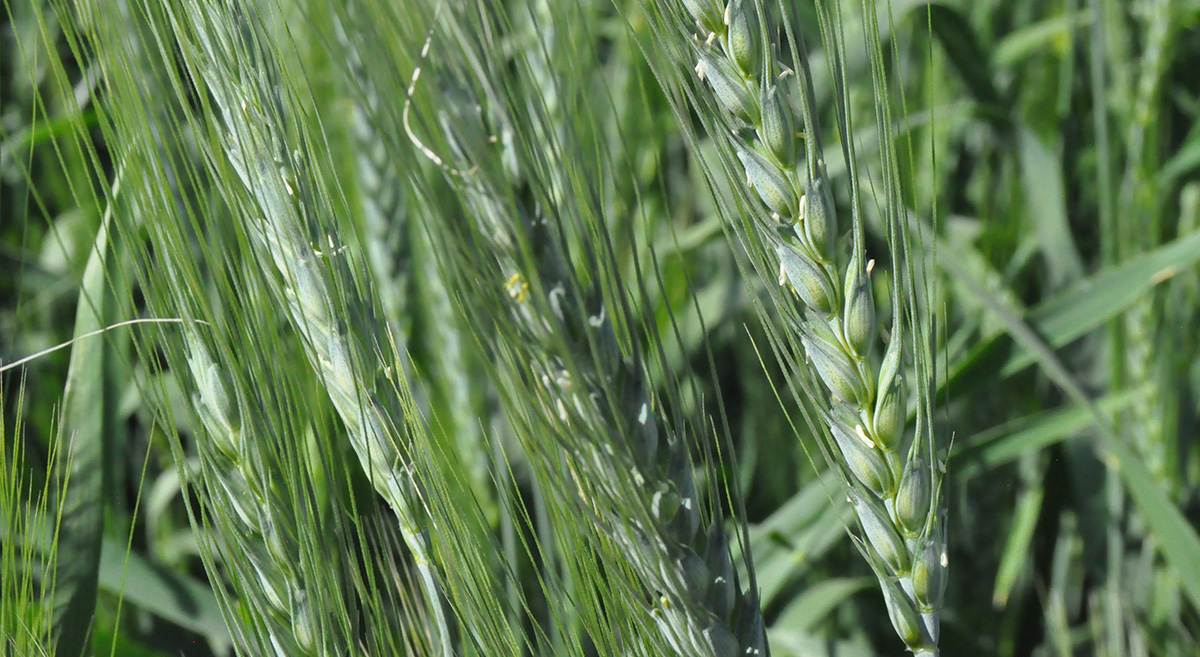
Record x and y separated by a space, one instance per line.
1048 156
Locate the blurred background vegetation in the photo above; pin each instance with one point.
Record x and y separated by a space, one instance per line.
1051 152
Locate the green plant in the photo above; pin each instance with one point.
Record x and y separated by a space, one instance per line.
769 123
382 328
591 426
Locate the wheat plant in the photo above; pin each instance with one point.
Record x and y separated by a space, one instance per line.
608 450
358 327
768 121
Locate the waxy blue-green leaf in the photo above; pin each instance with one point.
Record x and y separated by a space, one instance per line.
1083 307
89 406
1177 538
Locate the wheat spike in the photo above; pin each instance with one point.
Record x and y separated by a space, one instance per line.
342 339
895 493
597 399
263 530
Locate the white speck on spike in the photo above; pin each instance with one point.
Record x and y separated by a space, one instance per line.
862 435
597 320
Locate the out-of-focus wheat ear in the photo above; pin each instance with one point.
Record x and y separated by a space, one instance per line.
404 264
267 539
601 445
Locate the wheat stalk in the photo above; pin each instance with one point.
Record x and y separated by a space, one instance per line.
894 493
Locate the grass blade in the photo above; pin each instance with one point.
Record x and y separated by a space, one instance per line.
88 410
1177 538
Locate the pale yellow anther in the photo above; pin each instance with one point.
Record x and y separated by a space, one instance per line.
862 435
1164 274
517 288
870 266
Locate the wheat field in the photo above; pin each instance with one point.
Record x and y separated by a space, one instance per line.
599 328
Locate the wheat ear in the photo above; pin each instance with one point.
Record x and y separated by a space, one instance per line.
359 377
599 402
381 188
264 530
364 397
894 494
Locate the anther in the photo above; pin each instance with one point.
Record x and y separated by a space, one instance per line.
862 435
